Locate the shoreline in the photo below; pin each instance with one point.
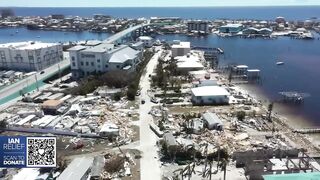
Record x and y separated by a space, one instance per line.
279 110
282 113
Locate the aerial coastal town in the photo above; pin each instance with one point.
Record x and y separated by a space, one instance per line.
135 107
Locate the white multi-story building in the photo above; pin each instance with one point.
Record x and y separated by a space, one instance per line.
102 57
198 26
29 56
180 48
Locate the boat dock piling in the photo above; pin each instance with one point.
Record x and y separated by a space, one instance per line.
293 96
307 130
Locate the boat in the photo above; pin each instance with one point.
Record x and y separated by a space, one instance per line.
280 63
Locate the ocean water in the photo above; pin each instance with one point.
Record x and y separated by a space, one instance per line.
301 57
23 34
300 72
260 13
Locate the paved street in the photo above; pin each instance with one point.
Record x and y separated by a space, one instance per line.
150 165
7 91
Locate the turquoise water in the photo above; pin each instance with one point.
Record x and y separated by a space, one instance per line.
294 176
28 88
264 13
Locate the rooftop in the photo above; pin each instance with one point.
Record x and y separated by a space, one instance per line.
181 45
51 103
210 91
233 25
146 38
211 118
76 169
29 45
123 54
109 127
189 61
77 48
99 48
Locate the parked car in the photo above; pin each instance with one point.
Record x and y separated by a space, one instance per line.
138 93
143 101
154 100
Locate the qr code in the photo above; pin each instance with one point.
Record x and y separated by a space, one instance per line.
41 152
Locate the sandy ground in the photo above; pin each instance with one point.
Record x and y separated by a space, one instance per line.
150 165
292 119
287 121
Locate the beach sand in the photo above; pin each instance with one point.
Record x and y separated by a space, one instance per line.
288 115
293 119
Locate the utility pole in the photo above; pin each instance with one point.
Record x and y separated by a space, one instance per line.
59 72
35 75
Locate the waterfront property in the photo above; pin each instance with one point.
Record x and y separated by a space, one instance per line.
29 56
209 95
255 31
147 41
231 28
180 48
101 57
189 62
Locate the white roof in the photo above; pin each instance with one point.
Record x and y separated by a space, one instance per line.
181 45
77 169
253 70
123 54
190 61
210 91
109 127
29 45
146 38
242 66
232 25
25 120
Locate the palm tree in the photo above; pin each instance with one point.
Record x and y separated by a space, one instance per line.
270 108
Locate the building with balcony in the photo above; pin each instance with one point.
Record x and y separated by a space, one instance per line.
29 56
198 26
102 57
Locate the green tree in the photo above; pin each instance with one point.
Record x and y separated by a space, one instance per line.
117 96
270 108
3 124
241 115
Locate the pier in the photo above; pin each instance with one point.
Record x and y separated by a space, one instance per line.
307 130
293 97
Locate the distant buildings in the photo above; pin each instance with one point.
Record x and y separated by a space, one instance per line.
100 57
280 20
198 26
29 56
255 31
180 48
147 41
231 28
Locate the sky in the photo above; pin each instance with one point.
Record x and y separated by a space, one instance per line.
152 3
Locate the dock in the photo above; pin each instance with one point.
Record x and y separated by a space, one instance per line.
307 130
294 97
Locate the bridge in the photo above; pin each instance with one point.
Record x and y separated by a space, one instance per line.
128 34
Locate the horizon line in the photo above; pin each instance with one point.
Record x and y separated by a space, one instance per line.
226 6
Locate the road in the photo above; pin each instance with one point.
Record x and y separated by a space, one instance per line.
16 87
150 164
